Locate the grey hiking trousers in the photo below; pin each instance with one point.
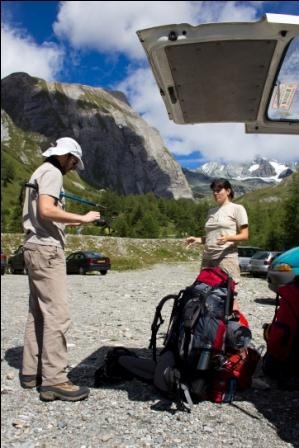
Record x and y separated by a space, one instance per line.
45 350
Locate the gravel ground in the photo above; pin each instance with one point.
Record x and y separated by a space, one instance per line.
117 309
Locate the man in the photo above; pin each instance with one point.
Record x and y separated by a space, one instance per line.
44 220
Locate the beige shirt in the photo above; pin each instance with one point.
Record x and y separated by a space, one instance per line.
49 181
224 220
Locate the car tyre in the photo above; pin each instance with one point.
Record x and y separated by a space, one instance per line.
82 271
103 272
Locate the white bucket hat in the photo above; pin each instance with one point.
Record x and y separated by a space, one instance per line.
66 145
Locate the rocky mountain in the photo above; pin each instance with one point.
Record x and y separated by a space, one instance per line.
260 167
245 177
121 151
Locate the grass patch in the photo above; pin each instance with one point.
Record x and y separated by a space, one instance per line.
125 253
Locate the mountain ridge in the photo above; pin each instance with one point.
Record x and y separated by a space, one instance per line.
121 151
259 167
245 177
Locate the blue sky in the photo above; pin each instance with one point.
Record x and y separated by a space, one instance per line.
95 43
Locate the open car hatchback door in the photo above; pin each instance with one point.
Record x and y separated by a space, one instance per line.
229 72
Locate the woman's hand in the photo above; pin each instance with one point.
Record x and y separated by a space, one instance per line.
243 235
191 240
222 239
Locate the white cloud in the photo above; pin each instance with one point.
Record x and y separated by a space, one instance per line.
112 26
215 141
19 53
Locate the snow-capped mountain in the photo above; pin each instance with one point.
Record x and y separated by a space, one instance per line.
244 176
262 168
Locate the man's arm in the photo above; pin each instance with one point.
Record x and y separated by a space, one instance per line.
48 211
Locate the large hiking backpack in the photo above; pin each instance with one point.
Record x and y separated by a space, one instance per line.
209 341
282 337
206 353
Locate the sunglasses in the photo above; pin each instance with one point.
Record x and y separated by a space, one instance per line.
75 161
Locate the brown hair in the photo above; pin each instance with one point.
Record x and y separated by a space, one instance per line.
222 183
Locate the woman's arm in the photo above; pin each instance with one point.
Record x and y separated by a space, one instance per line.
243 235
194 240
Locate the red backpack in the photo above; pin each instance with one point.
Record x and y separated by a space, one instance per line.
281 335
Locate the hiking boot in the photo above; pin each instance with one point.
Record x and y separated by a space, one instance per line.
30 381
64 391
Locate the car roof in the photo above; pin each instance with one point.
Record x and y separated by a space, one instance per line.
266 253
249 247
225 72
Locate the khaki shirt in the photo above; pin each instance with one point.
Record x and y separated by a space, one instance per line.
49 181
224 220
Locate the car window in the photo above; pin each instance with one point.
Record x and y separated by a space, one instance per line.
284 104
89 254
93 254
260 255
244 252
247 251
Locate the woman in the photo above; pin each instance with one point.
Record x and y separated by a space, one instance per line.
226 225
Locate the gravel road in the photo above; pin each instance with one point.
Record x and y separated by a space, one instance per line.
117 309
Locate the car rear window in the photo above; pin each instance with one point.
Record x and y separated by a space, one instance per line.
247 251
93 255
244 253
260 255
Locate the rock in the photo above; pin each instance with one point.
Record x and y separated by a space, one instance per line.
106 127
10 376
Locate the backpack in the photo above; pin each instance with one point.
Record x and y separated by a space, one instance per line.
206 353
282 336
209 341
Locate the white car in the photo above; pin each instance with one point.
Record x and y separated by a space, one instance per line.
244 255
260 262
229 72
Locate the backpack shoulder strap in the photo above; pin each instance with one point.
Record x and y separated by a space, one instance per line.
229 299
158 321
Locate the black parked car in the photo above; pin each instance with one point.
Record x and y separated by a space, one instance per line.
16 263
82 262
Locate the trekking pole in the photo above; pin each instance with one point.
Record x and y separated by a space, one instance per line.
100 222
68 196
81 200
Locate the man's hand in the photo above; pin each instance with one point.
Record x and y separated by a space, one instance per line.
91 217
